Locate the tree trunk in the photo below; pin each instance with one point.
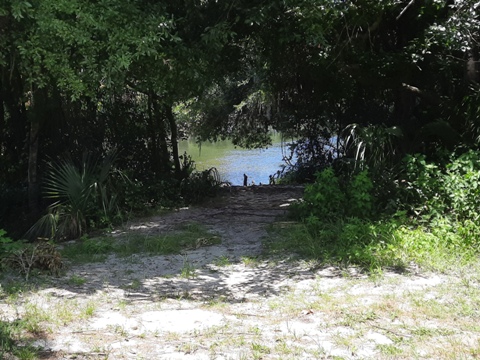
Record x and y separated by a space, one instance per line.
403 116
162 155
153 145
38 112
2 120
473 66
33 188
174 141
15 147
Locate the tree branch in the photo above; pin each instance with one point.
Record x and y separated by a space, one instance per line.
405 9
422 94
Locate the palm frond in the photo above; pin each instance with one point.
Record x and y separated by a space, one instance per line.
45 227
371 144
80 193
65 182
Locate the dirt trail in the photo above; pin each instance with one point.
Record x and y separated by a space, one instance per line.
240 216
125 291
222 301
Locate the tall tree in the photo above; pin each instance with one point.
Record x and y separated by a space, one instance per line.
318 66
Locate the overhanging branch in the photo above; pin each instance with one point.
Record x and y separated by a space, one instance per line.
405 9
422 94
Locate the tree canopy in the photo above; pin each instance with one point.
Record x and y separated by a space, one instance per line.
135 76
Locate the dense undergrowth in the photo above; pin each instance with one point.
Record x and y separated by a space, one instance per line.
95 192
92 196
426 216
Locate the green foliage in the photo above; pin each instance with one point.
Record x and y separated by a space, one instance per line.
102 75
359 195
5 339
188 270
440 232
188 236
142 197
7 245
330 198
13 341
386 243
76 280
325 199
199 185
90 249
15 252
451 191
24 257
461 185
8 333
374 146
97 246
83 193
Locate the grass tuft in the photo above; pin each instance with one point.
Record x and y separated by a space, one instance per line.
187 237
375 245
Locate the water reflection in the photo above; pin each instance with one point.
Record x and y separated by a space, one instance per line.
233 162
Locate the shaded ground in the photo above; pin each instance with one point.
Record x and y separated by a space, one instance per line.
233 301
240 218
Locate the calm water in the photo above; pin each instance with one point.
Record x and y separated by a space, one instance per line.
232 162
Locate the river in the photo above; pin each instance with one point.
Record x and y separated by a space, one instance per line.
232 162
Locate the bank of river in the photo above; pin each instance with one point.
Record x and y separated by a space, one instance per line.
232 162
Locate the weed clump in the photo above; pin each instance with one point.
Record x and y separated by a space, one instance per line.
24 257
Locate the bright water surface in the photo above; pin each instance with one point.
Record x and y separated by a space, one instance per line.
232 162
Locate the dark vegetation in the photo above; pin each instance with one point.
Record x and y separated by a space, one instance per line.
382 96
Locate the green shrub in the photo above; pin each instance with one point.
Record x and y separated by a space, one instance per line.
5 242
142 196
199 185
461 185
7 334
453 190
9 247
24 257
324 198
359 192
329 198
13 342
83 195
385 243
441 230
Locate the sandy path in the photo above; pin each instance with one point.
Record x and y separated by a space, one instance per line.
161 300
234 303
